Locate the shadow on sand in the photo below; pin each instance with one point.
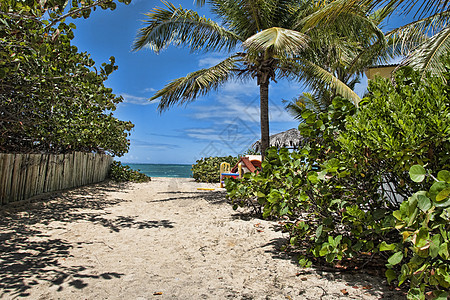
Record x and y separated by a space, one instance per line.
212 197
30 257
371 278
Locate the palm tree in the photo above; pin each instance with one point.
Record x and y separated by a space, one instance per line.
343 54
424 42
266 40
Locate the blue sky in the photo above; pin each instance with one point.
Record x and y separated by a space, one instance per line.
225 122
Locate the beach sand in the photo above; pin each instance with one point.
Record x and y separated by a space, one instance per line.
164 239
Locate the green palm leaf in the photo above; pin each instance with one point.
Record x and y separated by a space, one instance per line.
315 75
421 8
186 89
274 46
409 36
179 26
428 56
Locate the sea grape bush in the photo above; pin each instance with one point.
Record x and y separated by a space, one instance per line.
421 256
122 173
316 191
271 192
340 194
207 169
399 125
53 97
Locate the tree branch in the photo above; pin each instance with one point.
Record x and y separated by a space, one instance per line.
73 12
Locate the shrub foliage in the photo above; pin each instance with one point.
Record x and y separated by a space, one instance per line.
348 193
52 97
121 173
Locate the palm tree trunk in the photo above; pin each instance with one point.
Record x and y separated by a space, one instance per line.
264 112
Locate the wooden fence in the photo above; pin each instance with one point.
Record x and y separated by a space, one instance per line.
23 176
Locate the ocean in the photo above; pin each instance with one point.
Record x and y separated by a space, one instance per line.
163 170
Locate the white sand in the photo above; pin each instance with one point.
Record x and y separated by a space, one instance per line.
159 240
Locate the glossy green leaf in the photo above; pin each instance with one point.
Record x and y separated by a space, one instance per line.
435 245
444 251
395 258
423 202
313 177
444 175
442 195
387 247
441 295
436 188
417 173
390 275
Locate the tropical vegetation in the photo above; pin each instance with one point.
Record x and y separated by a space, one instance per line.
52 97
344 194
424 42
124 173
266 40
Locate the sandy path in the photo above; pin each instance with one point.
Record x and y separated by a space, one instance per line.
159 240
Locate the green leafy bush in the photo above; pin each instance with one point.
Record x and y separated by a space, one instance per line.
52 96
317 192
422 254
121 173
207 169
340 191
399 125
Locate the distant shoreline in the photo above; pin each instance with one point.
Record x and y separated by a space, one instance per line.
163 170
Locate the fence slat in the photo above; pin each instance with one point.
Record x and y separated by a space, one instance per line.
42 174
25 175
5 174
35 176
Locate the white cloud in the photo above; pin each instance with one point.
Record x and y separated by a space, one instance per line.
148 90
127 98
152 145
247 110
137 100
209 61
202 136
239 88
200 130
202 133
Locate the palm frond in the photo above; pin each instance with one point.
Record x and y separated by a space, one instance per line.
281 13
377 53
179 26
242 17
419 7
277 41
409 36
186 89
294 108
312 102
354 23
315 76
428 56
329 12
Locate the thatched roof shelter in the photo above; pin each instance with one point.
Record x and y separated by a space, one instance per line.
287 139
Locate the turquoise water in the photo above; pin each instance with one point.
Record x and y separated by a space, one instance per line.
163 170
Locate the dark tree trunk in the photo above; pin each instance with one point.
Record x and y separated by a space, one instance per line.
264 107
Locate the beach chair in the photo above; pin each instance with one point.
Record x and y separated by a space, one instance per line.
225 171
249 163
